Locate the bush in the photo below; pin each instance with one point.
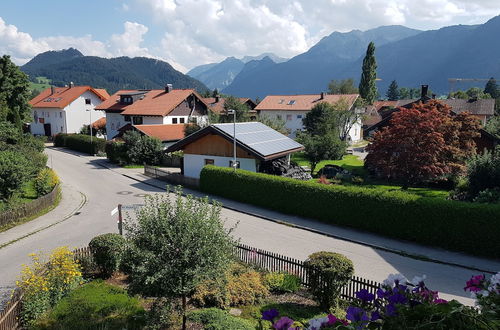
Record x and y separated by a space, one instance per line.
483 172
117 153
282 282
489 195
14 172
45 181
107 250
212 293
163 315
216 319
95 305
328 273
79 142
142 149
468 227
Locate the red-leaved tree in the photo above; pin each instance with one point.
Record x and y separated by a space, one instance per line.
422 143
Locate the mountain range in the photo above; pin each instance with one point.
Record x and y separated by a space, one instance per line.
70 65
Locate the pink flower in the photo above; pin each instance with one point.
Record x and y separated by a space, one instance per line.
474 284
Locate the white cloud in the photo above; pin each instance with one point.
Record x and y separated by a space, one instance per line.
128 43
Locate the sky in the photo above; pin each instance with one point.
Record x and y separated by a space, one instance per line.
187 33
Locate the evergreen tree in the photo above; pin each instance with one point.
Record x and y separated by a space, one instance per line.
367 87
215 93
393 91
492 88
14 93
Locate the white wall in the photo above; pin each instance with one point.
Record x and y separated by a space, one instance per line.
76 116
194 163
53 116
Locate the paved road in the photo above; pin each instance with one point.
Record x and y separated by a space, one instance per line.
104 189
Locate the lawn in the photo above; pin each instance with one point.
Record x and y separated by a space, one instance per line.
349 162
26 194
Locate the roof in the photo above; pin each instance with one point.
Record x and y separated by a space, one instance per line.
473 106
99 123
301 102
164 133
218 107
256 138
156 102
63 96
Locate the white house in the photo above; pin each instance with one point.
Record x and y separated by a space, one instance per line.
65 109
255 143
293 109
153 107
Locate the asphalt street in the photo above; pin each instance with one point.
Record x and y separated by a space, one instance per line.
104 189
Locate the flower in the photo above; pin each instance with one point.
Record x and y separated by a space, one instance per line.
283 323
474 284
397 298
440 301
418 280
270 314
390 310
356 314
394 280
365 295
495 283
375 316
332 319
315 324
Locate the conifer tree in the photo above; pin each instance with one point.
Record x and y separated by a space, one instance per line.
393 91
492 88
367 87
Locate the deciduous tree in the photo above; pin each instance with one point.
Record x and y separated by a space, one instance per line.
367 87
422 143
344 86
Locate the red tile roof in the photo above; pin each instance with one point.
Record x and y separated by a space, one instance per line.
172 132
156 102
99 123
301 102
63 96
218 107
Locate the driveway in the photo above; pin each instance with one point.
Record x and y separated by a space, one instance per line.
104 189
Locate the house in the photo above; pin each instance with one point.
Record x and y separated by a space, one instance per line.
153 107
293 108
216 104
65 109
256 144
168 134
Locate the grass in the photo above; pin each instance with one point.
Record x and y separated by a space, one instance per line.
133 166
26 194
349 162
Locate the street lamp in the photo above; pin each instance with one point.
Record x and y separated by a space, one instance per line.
90 126
233 112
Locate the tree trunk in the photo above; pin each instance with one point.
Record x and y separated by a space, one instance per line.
184 307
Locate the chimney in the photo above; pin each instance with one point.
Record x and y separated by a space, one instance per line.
71 85
322 96
425 89
168 88
52 90
433 96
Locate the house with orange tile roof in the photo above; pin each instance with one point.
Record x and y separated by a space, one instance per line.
65 109
168 134
153 107
216 104
293 109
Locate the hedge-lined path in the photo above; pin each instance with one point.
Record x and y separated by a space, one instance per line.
106 188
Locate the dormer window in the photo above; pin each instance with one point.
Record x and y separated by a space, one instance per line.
126 100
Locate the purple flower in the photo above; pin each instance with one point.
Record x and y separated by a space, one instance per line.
440 301
473 285
375 316
283 323
397 298
270 314
332 319
365 295
356 314
390 310
381 293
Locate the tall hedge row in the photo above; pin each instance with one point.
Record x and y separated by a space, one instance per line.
80 142
467 227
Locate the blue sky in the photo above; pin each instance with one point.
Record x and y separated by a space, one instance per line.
187 33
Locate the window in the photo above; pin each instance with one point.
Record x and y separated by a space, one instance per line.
299 116
237 163
281 101
181 120
127 118
61 128
60 114
87 101
288 117
126 100
278 117
291 102
209 162
137 120
174 120
48 114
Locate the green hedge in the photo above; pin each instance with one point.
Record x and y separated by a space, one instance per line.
468 227
80 142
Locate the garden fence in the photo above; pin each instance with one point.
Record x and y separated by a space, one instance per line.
29 209
170 177
9 316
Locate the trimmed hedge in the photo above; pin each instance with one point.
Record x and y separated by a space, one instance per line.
467 227
80 142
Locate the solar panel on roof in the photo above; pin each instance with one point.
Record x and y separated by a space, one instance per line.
259 137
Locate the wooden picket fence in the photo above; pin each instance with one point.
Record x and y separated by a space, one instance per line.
9 317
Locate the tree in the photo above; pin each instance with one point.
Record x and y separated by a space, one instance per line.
142 149
493 126
470 93
367 87
345 86
492 88
275 123
175 244
215 93
233 103
393 92
14 93
406 93
423 143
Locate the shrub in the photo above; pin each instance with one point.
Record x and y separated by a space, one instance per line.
107 250
45 181
163 315
489 195
282 282
14 172
95 305
142 149
483 172
46 282
468 227
328 273
80 142
216 319
212 293
117 153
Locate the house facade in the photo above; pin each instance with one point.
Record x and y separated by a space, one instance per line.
213 145
153 107
293 109
65 109
168 134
